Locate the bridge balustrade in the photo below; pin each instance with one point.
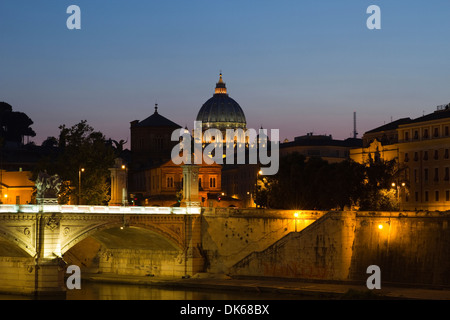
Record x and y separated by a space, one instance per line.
98 209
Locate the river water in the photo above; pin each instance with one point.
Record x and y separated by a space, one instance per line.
109 291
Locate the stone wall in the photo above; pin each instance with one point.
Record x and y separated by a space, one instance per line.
17 275
229 235
410 248
20 275
322 251
142 262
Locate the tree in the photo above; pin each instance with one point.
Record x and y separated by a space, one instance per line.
80 147
14 126
315 184
378 193
50 142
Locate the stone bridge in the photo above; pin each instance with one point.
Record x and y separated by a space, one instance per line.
36 241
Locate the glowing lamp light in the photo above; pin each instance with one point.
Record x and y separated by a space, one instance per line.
380 226
296 214
6 196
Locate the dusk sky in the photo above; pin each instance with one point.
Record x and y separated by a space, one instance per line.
297 66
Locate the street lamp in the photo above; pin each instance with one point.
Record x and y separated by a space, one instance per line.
296 216
394 185
125 192
79 185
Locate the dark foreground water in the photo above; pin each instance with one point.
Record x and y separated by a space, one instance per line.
108 291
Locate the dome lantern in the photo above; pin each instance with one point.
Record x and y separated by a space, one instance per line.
221 88
221 111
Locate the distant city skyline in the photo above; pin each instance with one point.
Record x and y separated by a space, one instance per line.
297 66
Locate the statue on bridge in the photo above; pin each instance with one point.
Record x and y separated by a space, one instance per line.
47 188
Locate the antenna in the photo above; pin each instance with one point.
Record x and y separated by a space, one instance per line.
355 133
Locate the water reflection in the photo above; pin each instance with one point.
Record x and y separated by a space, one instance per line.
108 291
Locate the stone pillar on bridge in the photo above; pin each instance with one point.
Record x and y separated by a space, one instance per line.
49 266
119 177
191 196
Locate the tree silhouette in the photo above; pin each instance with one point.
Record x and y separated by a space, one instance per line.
315 184
14 126
81 147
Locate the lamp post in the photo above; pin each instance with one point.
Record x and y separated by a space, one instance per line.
256 185
79 184
295 216
397 186
125 192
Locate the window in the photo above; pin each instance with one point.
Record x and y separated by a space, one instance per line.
415 175
416 156
425 175
212 182
447 132
425 155
425 133
436 132
436 174
406 157
447 195
446 155
417 196
416 135
406 136
447 174
169 182
426 195
436 196
436 154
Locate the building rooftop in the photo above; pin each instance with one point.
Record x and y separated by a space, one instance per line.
322 140
391 125
442 112
155 120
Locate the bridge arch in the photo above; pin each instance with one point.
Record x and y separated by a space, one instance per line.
16 239
168 237
10 246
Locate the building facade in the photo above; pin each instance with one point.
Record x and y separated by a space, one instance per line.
16 187
422 150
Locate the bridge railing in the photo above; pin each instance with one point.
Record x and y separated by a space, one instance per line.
31 208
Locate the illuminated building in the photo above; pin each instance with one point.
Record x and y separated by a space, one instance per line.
421 148
16 187
221 112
